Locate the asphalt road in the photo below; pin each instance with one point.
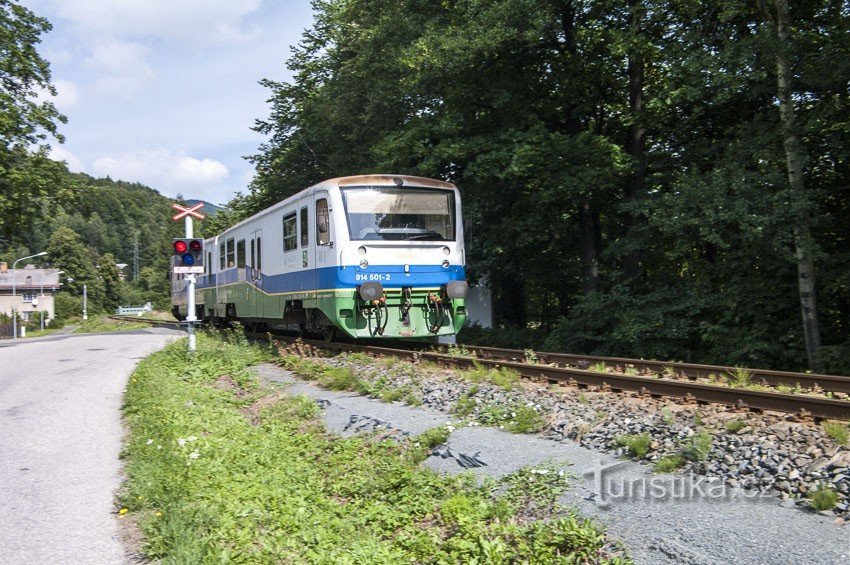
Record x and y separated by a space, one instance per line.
60 438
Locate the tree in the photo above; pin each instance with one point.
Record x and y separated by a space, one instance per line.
112 285
27 176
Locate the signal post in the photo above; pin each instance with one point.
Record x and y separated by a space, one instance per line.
190 254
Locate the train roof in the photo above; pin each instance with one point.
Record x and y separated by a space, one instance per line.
355 180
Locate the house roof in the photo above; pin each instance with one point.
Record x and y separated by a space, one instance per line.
29 276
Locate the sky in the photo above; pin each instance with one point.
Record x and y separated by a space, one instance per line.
164 92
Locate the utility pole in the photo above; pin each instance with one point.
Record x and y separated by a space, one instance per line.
135 257
85 303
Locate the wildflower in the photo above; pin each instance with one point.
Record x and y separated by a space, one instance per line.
159 447
191 438
122 511
194 455
159 514
181 442
450 428
150 441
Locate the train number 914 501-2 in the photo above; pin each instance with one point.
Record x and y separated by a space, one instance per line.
378 277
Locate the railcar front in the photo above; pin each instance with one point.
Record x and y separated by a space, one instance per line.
401 258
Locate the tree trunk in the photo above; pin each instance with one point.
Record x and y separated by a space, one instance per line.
636 140
794 159
589 252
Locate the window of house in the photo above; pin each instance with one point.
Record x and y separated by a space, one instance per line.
323 222
27 296
240 253
305 228
290 234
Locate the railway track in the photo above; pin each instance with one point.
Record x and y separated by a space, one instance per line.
805 406
670 370
565 369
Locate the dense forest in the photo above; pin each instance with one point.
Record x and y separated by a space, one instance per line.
645 178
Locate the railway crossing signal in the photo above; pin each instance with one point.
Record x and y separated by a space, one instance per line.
189 254
189 261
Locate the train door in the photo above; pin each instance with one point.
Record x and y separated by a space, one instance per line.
307 270
255 258
323 232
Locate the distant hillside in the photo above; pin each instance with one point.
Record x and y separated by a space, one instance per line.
209 209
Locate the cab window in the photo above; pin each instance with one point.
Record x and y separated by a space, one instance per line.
323 222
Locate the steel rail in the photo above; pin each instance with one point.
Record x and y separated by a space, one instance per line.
832 383
807 406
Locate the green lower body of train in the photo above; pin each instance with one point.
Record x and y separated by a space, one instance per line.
398 313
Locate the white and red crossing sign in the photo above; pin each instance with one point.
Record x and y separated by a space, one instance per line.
184 212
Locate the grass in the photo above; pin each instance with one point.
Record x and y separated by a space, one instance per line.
102 324
735 426
223 469
466 404
697 446
739 377
501 376
823 498
516 418
669 463
637 444
837 431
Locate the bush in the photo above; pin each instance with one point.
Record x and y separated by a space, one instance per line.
68 306
823 498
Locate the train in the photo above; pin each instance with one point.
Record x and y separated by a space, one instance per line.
368 257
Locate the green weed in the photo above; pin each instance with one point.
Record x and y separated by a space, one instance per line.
739 377
823 498
837 431
697 446
514 418
735 426
637 444
669 464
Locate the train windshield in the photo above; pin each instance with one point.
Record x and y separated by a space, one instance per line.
389 213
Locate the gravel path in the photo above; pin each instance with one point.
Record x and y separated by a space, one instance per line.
682 527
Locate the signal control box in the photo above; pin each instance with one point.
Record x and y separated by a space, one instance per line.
188 255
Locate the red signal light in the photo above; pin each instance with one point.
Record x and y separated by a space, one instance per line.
195 245
180 246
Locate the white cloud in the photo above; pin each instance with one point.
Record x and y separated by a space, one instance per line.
123 63
59 153
67 95
193 20
164 170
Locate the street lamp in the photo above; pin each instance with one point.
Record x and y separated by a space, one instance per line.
14 294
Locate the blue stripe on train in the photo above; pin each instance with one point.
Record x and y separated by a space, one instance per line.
391 276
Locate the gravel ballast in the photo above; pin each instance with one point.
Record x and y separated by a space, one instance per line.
687 526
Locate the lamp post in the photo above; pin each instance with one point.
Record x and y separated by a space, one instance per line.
14 294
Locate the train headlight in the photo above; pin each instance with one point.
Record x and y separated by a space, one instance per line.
364 263
361 250
446 250
370 291
457 289
445 263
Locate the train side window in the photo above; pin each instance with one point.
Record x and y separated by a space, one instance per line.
253 255
221 259
290 233
208 268
240 253
323 222
231 252
305 229
259 255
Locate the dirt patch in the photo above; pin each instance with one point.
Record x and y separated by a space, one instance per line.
226 382
252 412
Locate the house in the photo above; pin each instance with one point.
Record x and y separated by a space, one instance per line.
33 291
